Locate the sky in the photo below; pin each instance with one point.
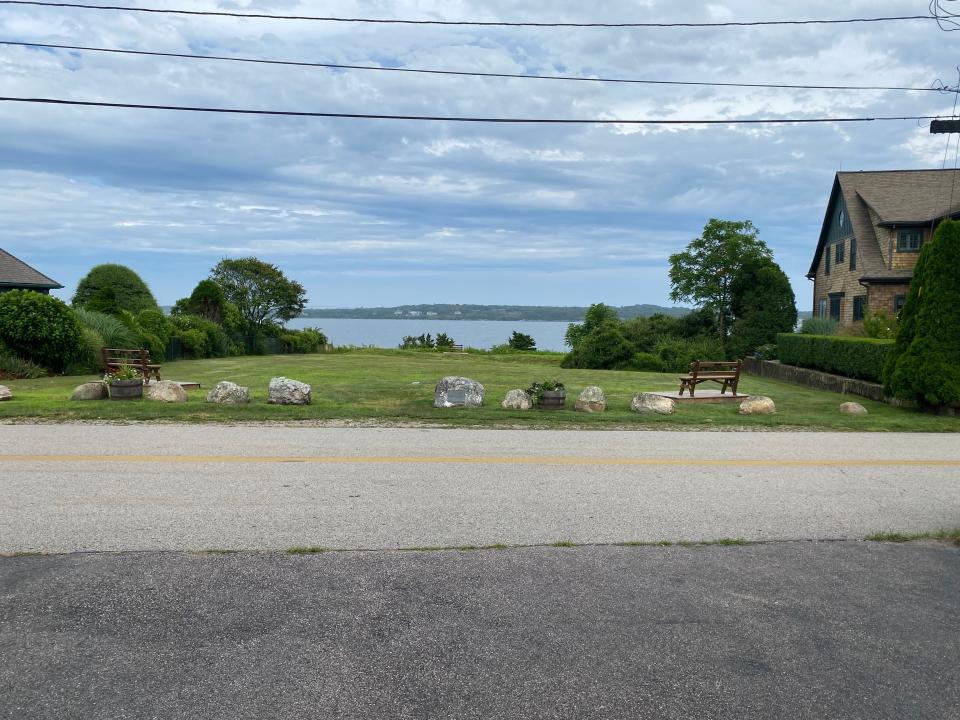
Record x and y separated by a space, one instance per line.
375 212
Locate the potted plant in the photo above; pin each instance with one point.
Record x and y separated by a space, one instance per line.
548 395
124 383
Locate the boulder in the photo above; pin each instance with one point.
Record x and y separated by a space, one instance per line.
517 400
852 408
228 393
283 391
650 403
458 392
5 393
757 405
165 391
90 391
591 400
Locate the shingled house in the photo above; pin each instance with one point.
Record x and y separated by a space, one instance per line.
17 275
875 224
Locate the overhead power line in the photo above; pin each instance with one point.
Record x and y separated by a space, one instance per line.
574 78
476 23
444 118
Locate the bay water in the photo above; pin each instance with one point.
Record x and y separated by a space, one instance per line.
389 333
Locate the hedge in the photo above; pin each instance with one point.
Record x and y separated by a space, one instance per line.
854 357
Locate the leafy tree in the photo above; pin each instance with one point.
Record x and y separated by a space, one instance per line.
260 291
644 332
206 301
39 328
697 323
704 273
521 341
596 315
762 305
924 364
443 341
110 288
604 347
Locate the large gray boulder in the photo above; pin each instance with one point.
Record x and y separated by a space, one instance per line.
517 400
650 403
458 392
757 405
283 391
591 400
228 393
165 391
852 408
5 393
90 391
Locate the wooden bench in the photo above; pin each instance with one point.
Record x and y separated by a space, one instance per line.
727 373
456 348
115 358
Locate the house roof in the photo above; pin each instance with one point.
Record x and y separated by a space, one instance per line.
16 273
889 197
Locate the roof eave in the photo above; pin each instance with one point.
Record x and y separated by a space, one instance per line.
47 286
812 272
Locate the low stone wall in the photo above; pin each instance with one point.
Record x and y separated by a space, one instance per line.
813 378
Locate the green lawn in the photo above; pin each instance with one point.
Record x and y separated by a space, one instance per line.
397 386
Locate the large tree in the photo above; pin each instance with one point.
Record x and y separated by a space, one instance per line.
763 304
110 288
924 364
703 274
260 291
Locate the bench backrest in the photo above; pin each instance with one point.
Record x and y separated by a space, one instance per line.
124 356
726 367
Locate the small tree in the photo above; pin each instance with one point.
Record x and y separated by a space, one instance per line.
521 341
260 291
110 288
596 315
704 273
205 301
924 364
762 305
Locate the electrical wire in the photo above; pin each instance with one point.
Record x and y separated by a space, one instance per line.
443 118
474 23
946 19
938 87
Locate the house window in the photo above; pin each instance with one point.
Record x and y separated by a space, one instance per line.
898 303
835 300
840 249
822 308
859 305
909 240
826 259
853 253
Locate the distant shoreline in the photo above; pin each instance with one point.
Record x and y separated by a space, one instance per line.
514 313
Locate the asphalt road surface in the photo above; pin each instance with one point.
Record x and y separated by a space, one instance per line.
784 630
80 487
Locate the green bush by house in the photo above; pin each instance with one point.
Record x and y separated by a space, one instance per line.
854 357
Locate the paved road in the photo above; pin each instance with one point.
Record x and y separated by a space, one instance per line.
81 487
787 630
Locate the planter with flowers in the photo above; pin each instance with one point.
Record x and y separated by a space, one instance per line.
548 395
124 383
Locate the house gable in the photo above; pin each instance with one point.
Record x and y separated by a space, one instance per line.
16 274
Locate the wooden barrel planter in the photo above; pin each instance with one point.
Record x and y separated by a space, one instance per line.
552 400
126 389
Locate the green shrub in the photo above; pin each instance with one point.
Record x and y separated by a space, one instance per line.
646 362
853 357
111 288
39 328
924 365
676 354
112 331
819 326
199 338
12 367
880 324
521 341
308 340
89 358
604 347
766 352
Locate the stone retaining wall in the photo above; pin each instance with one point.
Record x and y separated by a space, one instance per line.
814 378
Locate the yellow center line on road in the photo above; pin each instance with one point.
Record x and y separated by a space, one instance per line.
471 460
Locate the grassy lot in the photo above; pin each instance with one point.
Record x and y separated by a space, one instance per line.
397 386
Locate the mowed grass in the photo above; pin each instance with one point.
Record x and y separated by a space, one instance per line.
393 386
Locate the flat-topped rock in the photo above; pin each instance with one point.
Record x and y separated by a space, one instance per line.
90 391
228 393
5 393
650 403
591 400
456 391
284 391
757 405
853 408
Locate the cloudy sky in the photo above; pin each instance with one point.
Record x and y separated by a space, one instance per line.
373 212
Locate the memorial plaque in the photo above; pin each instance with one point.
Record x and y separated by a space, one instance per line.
457 396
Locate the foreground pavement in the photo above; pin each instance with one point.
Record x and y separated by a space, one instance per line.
783 630
72 488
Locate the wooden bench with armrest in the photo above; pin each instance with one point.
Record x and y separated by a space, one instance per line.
726 373
115 358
